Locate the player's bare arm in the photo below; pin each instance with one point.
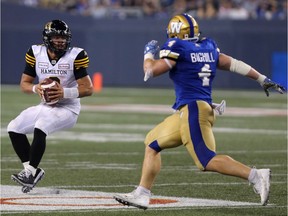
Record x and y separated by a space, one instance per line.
231 64
152 67
157 67
85 86
26 84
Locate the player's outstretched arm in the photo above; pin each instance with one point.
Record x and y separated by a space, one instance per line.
154 67
150 50
229 63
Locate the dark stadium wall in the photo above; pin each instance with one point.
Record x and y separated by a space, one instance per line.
115 47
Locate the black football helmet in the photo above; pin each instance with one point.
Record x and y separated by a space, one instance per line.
56 28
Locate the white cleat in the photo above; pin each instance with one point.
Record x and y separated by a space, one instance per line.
262 186
134 199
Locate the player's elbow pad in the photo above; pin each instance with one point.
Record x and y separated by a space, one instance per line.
239 67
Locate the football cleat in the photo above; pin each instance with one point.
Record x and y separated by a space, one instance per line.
26 189
140 201
262 185
27 180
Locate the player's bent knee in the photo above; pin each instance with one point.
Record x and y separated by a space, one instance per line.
200 166
205 167
12 127
155 146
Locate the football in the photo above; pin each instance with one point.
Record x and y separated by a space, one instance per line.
46 85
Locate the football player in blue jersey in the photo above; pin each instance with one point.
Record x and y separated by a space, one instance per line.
192 62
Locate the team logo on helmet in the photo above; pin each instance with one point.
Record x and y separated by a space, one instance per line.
48 26
175 27
56 28
184 27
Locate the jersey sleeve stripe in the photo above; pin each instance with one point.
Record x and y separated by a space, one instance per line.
168 54
30 60
81 66
84 63
79 61
28 57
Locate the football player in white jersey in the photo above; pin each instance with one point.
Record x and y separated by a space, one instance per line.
67 65
192 64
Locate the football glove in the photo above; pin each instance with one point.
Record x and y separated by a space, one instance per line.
267 84
219 108
151 47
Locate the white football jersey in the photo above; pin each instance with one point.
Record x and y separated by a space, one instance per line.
63 70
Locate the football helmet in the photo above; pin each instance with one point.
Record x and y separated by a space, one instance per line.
57 28
184 27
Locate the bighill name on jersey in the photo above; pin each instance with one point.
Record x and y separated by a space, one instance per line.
202 57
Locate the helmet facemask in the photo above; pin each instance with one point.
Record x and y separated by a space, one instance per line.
183 27
57 36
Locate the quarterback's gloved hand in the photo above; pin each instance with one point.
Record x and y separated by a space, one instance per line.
151 47
267 84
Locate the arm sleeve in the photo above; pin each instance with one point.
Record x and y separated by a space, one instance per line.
30 63
81 64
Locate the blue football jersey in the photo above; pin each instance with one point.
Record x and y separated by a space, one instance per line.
195 69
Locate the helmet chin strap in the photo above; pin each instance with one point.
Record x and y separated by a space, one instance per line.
60 53
194 39
57 54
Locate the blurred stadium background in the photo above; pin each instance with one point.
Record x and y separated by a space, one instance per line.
115 44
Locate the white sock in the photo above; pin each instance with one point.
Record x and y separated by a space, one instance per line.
142 190
26 164
253 177
31 169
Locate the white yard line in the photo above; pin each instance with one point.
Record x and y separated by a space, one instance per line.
166 109
134 137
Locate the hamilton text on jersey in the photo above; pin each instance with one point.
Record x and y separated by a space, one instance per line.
202 57
53 71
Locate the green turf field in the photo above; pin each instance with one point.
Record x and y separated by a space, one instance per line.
104 151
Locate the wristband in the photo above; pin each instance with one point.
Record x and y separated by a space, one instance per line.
34 89
148 56
70 93
261 79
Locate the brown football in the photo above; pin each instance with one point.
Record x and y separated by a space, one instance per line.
46 85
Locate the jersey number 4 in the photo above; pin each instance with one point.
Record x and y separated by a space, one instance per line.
205 74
